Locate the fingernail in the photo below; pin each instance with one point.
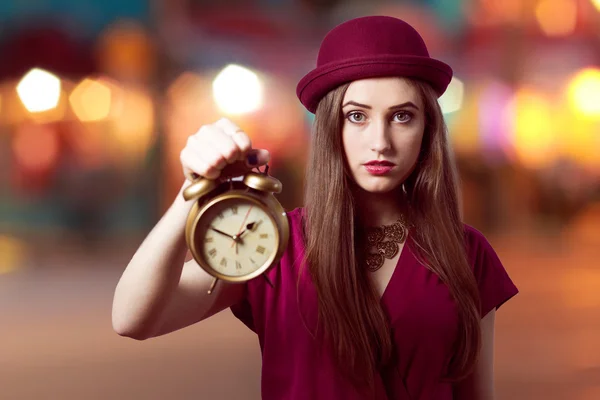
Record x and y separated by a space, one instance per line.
252 159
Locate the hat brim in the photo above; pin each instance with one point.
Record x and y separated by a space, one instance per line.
318 82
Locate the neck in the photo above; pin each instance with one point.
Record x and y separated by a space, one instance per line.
376 209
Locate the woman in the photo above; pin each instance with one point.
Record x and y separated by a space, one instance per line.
383 293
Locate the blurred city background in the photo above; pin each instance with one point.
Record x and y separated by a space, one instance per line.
97 98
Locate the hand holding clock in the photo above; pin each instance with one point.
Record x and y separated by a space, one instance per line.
237 229
221 149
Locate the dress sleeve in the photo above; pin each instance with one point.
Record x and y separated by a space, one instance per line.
494 283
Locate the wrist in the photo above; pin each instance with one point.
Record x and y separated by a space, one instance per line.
181 205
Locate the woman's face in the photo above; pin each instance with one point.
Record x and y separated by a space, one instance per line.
382 132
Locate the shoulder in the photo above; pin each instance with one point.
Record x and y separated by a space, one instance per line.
479 250
474 236
476 242
493 280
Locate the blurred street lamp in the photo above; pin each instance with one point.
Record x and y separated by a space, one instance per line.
451 101
91 100
133 126
39 90
584 92
535 131
126 51
556 17
36 147
237 90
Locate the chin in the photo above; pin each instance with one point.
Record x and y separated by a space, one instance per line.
378 184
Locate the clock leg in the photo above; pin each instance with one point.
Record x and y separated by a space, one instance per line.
212 285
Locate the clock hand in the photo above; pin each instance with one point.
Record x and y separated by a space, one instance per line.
250 227
253 225
242 226
223 233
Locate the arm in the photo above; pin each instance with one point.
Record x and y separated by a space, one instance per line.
159 293
480 384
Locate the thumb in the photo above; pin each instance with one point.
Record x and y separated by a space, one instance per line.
257 157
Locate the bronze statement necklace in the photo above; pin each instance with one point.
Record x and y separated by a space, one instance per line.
384 242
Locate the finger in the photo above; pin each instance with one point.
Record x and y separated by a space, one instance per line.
228 126
243 142
193 164
202 146
225 145
190 175
237 134
257 158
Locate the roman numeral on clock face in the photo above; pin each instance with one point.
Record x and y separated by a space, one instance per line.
212 253
234 210
264 236
223 262
238 265
260 250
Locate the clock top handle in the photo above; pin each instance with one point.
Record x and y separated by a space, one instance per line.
262 182
199 188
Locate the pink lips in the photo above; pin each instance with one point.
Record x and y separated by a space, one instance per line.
379 167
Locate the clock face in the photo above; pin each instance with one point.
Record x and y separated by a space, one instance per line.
238 236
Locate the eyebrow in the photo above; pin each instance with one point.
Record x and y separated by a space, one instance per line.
395 107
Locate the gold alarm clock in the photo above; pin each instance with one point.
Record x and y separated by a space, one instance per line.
236 230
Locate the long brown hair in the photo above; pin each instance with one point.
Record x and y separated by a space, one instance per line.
350 313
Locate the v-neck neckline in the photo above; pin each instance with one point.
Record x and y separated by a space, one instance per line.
393 278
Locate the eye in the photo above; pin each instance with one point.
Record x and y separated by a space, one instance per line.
403 117
356 117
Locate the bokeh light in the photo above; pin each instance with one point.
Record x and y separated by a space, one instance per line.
464 131
12 253
556 17
39 90
451 101
578 137
35 146
237 90
133 126
504 11
91 100
125 50
584 92
190 103
535 138
496 116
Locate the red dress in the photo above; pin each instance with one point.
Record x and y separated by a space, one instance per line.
423 315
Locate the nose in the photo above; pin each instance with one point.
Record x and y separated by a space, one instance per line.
379 137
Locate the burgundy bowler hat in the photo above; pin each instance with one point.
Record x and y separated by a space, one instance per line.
370 47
